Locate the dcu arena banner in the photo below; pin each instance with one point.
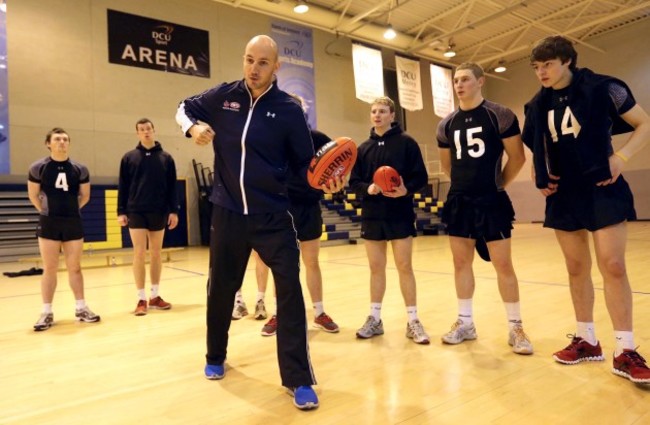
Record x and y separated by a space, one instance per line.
296 74
149 43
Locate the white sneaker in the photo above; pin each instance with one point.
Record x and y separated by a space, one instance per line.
260 311
239 311
415 331
459 332
519 341
371 328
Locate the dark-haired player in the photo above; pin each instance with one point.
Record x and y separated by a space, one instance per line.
59 187
569 126
389 216
147 202
305 209
471 142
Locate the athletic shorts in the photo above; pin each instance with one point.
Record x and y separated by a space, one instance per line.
590 207
60 228
149 221
487 217
308 221
383 230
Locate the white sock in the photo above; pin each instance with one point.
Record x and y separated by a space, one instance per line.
80 304
47 308
412 312
154 290
260 296
375 311
587 331
513 312
318 309
141 295
465 311
624 341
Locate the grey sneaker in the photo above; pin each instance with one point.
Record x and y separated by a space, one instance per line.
239 311
371 328
85 315
260 310
459 332
415 331
519 341
44 322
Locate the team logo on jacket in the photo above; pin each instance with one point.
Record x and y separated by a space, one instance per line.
231 106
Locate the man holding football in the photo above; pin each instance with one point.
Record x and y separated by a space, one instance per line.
257 132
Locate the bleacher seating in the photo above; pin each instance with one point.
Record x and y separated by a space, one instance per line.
18 221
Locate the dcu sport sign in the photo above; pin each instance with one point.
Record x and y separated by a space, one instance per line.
148 43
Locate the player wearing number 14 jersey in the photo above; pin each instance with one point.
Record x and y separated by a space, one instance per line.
58 187
569 126
471 142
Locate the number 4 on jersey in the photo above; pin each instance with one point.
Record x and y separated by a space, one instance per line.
61 182
569 124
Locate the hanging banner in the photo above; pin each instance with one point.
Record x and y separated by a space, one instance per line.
149 43
368 73
443 91
296 73
409 84
4 99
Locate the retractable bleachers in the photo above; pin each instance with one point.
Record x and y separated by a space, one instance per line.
18 221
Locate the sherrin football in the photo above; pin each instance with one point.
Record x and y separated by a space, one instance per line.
387 178
334 159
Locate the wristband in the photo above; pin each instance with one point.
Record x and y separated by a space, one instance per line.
622 156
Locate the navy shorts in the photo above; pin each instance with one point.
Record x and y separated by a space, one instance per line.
308 221
487 217
383 230
149 221
590 207
60 228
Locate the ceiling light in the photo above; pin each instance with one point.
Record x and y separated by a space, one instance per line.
501 67
301 7
450 52
3 6
390 33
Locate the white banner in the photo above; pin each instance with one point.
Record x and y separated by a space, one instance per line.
443 91
409 85
368 73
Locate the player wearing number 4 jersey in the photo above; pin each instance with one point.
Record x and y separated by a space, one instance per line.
58 187
569 126
471 141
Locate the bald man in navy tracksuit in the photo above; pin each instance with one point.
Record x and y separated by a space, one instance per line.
258 133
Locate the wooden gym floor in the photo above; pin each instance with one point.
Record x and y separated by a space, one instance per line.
149 370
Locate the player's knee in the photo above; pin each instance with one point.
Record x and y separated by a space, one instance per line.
577 267
613 267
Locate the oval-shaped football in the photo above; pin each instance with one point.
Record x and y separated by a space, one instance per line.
334 159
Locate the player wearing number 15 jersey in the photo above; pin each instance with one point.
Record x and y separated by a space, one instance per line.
471 142
58 187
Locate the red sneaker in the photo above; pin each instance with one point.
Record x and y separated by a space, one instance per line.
579 351
141 308
158 303
271 327
629 364
326 323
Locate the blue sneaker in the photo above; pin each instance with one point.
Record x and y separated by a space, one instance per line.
304 397
214 371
